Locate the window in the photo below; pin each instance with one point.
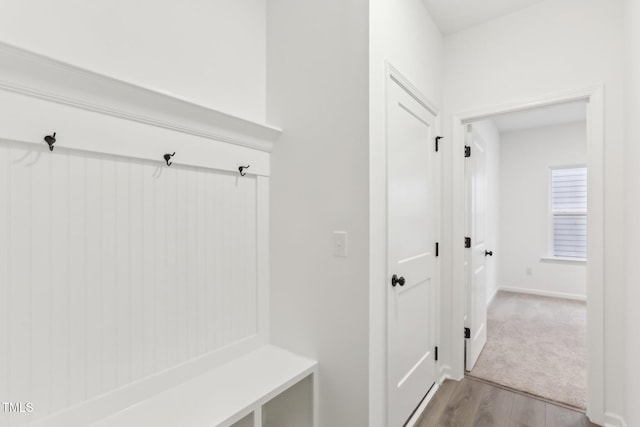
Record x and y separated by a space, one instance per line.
569 212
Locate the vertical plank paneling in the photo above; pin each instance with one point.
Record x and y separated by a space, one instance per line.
160 283
261 286
136 236
218 316
123 273
171 276
108 275
251 252
247 231
225 261
20 278
93 297
149 252
233 240
201 262
209 238
59 281
182 300
41 257
191 278
239 239
77 279
5 325
116 270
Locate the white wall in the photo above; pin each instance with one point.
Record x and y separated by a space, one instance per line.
317 67
526 159
632 199
555 45
402 33
208 52
328 173
491 136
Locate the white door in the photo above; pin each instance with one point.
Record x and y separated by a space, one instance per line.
411 253
476 272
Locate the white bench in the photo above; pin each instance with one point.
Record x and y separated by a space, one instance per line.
269 386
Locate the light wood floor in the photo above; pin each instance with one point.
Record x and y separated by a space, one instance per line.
477 404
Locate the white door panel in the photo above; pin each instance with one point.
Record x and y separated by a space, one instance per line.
476 184
411 240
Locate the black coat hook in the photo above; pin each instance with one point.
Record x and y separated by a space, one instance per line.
242 168
168 157
50 139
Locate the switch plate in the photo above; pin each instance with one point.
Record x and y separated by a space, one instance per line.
340 243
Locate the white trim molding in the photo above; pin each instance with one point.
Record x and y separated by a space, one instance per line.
423 405
444 373
412 90
595 267
542 293
38 76
562 260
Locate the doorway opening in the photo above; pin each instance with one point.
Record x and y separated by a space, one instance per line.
555 287
526 268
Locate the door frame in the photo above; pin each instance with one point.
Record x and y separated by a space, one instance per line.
595 245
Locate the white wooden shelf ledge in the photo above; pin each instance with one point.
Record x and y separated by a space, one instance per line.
221 396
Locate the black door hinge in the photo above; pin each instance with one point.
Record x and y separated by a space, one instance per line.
467 333
467 242
467 151
436 353
437 249
438 138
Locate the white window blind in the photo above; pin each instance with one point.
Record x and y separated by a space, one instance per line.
569 212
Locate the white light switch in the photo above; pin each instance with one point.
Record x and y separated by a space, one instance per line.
340 243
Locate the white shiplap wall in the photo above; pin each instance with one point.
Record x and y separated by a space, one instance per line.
113 269
119 276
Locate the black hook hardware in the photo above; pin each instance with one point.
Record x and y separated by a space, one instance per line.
395 280
488 253
168 157
50 139
242 168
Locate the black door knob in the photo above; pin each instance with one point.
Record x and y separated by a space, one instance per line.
395 280
488 253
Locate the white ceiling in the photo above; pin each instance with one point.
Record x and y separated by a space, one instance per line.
539 117
456 15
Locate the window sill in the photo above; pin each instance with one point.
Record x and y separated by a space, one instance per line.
561 260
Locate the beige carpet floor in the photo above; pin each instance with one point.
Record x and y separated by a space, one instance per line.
537 345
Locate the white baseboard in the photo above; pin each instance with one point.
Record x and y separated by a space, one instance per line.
543 293
444 373
490 300
613 420
423 405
